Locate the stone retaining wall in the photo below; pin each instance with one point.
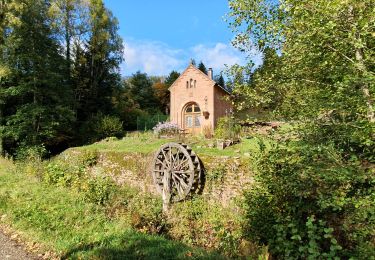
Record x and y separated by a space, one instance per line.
226 177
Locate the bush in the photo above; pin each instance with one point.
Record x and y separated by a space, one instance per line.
98 190
200 222
109 126
166 128
227 128
31 153
64 174
309 202
100 127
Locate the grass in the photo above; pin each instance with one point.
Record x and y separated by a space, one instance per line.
146 143
57 219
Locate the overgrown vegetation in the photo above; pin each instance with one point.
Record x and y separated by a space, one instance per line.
110 219
59 218
314 195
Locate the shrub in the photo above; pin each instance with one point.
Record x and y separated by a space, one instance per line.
109 126
166 128
201 222
31 153
100 127
227 128
98 190
64 174
309 202
207 131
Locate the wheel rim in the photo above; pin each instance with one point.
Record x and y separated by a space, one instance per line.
178 162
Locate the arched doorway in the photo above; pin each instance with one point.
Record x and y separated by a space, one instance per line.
192 117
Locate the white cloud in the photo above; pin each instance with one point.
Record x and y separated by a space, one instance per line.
157 58
154 58
217 56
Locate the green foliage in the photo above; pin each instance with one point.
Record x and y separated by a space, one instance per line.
98 190
45 90
172 77
45 214
147 122
262 94
327 60
202 67
109 126
62 174
306 203
227 128
216 174
140 87
75 173
220 80
143 210
200 222
100 127
35 98
31 153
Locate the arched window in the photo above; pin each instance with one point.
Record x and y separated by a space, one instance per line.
192 115
191 83
187 84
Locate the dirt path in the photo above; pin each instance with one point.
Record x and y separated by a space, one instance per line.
10 250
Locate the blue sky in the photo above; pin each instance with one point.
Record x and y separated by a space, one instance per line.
161 36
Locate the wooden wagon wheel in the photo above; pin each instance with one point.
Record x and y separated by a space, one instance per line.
176 172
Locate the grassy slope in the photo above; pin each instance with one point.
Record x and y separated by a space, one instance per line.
147 144
58 220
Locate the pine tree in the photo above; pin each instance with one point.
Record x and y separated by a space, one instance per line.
140 88
202 68
35 91
220 80
96 66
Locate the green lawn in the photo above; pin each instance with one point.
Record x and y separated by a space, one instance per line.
59 220
147 143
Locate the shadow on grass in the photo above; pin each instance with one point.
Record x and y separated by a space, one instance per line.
133 245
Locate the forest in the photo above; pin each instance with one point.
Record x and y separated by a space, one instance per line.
60 78
314 191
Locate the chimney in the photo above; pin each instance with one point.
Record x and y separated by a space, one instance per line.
210 73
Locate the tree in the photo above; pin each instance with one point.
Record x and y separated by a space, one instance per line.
325 77
172 77
37 99
202 68
161 90
262 94
96 68
162 95
219 79
327 57
140 88
70 19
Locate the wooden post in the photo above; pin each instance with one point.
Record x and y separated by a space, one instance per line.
166 191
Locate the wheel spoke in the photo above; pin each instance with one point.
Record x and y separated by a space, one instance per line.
179 189
174 161
165 158
181 181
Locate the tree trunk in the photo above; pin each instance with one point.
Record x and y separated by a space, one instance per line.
359 58
68 35
364 86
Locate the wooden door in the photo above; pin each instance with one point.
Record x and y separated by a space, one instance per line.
192 117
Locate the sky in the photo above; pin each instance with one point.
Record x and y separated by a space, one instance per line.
164 35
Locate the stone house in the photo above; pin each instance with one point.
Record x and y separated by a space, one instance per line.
197 101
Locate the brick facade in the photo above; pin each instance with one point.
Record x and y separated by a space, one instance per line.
193 87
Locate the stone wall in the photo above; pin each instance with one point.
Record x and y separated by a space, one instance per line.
225 177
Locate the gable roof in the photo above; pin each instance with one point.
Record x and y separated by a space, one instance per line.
214 83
